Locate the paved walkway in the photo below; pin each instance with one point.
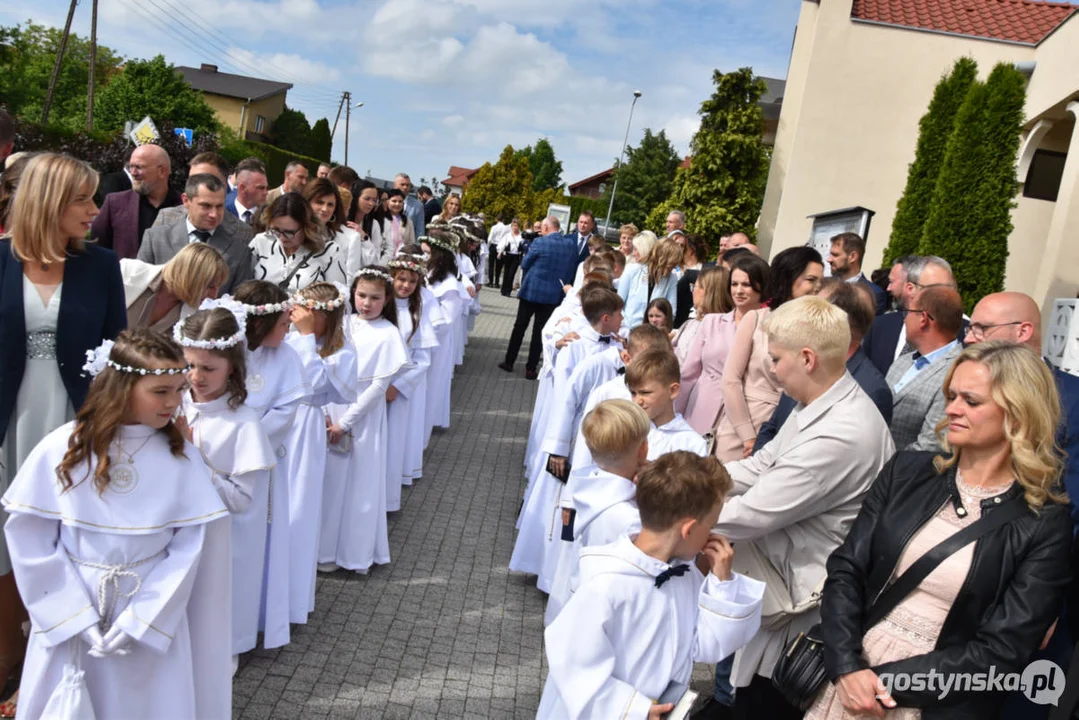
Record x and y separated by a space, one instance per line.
444 631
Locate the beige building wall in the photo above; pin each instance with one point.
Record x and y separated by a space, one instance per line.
229 111
850 119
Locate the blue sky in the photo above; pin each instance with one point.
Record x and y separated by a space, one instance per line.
451 82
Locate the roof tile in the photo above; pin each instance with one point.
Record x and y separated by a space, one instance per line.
1021 21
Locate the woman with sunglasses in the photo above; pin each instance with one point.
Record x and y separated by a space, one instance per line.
292 253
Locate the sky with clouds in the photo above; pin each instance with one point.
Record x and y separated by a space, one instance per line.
452 82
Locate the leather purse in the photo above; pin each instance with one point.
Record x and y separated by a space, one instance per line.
800 673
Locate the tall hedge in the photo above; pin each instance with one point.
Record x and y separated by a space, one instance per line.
969 218
934 130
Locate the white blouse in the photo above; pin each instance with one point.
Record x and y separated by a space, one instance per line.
269 262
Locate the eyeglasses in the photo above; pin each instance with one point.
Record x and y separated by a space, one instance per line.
279 234
907 311
978 330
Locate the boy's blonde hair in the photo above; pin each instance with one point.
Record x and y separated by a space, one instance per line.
49 184
659 365
814 323
680 485
648 337
614 429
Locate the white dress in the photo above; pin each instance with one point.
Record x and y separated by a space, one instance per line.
332 379
234 446
467 271
275 388
42 404
399 415
448 293
270 263
354 534
419 433
161 531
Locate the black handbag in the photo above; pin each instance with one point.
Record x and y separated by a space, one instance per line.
799 673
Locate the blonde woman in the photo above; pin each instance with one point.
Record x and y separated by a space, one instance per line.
159 296
59 297
654 275
992 602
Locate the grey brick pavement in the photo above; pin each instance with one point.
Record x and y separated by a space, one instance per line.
444 631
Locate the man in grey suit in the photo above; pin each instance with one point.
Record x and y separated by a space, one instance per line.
204 200
212 164
932 320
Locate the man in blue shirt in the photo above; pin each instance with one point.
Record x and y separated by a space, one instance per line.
551 262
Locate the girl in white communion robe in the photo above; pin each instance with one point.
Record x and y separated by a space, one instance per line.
120 546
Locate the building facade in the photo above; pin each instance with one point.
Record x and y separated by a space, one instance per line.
247 105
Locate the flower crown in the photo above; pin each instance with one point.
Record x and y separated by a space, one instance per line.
463 226
404 261
225 301
98 359
437 242
268 309
322 305
375 273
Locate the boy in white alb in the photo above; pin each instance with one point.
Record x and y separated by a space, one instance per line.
625 643
539 521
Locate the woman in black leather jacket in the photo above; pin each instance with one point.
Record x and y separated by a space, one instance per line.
987 607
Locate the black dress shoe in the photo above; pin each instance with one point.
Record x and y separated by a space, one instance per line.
505 366
531 375
713 710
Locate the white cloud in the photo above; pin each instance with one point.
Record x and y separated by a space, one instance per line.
453 120
285 67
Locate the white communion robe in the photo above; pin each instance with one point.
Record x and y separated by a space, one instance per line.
399 415
620 641
275 387
613 389
448 293
541 520
354 534
419 434
161 530
235 447
332 379
468 277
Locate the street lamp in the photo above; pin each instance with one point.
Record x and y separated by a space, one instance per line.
614 188
348 117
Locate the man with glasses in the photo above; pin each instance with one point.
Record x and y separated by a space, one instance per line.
932 319
887 339
125 216
204 199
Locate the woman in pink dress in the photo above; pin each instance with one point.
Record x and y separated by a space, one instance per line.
750 391
990 604
701 398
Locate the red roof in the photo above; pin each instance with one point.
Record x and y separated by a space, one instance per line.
1020 21
598 177
459 176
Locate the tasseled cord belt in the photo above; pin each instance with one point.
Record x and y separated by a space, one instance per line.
112 576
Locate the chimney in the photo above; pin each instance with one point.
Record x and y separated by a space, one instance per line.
206 67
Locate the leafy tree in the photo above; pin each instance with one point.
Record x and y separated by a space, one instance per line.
27 55
154 88
321 142
935 129
723 188
502 189
969 218
292 132
546 169
644 180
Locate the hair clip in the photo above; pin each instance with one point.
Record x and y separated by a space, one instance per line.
228 303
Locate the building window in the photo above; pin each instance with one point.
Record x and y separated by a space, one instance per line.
260 123
1043 177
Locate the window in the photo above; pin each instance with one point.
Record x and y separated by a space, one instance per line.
1043 178
260 123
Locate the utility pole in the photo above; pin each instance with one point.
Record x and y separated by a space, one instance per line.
348 118
93 64
333 133
59 60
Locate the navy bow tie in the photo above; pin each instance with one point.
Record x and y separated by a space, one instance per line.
606 339
622 370
672 571
201 235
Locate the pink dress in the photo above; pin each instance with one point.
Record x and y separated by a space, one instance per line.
913 626
701 398
750 391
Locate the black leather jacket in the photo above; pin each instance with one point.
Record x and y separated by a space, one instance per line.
1010 597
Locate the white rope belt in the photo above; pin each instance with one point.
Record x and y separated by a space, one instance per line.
111 576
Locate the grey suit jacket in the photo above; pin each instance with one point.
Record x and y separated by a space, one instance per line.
236 227
919 406
161 243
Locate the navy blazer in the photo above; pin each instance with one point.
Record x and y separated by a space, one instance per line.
880 297
230 203
1068 435
92 309
879 343
863 372
551 262
575 236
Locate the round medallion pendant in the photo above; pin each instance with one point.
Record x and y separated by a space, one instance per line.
255 383
123 478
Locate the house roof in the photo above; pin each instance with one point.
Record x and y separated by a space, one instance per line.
1026 22
459 176
598 177
207 79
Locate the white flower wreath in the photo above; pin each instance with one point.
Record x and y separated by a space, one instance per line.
238 310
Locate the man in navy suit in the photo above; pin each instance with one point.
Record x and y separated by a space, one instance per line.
251 190
550 263
845 259
887 339
586 224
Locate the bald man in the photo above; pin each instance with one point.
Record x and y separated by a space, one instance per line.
126 215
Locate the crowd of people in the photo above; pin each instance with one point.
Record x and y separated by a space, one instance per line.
791 473
208 398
